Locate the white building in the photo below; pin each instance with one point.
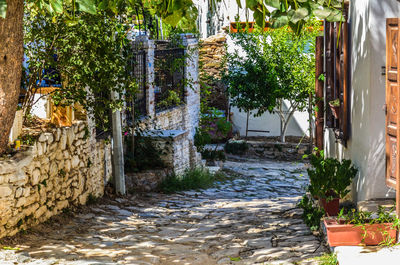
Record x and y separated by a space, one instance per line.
211 23
364 132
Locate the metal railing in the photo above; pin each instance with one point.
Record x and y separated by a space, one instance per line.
137 68
169 83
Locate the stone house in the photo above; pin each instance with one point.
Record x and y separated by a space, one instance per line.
173 127
361 70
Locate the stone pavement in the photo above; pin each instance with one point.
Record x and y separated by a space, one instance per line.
250 218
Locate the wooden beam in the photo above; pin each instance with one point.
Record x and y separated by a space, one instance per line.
319 93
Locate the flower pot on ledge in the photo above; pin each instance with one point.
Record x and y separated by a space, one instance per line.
331 207
341 234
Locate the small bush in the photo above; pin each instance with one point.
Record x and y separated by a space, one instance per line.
311 215
236 148
192 179
212 155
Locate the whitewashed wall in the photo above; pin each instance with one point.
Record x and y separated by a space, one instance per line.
298 126
226 12
366 146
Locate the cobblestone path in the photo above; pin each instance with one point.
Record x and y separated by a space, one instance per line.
251 218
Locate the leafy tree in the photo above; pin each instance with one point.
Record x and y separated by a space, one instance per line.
277 67
11 31
294 13
71 13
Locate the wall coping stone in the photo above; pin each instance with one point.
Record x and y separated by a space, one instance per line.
165 133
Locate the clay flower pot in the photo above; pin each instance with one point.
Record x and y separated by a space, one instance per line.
331 207
341 234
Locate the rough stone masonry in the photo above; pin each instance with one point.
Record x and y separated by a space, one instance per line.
63 168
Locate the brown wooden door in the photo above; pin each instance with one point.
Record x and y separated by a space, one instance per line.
392 105
392 100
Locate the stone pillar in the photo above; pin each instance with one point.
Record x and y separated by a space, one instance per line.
192 94
149 46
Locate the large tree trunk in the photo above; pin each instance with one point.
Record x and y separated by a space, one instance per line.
11 55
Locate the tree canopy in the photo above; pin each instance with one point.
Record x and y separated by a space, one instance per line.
270 67
280 12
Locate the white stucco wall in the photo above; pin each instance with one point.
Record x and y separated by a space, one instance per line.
298 125
225 13
366 146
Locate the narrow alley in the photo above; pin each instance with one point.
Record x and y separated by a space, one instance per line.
249 218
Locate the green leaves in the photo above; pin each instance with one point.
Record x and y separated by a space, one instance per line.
87 6
322 13
280 20
57 6
294 12
273 3
300 14
275 65
3 8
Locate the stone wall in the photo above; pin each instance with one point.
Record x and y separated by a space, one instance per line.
63 168
173 129
172 119
276 150
212 51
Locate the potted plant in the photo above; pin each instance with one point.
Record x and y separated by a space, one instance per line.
329 179
335 107
362 228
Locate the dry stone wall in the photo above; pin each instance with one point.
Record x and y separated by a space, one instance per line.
211 53
171 119
63 168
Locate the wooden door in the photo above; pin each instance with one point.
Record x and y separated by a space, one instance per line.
392 105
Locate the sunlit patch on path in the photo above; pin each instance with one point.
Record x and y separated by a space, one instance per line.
250 218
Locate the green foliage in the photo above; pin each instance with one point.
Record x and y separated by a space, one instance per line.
327 259
335 102
90 57
311 215
236 147
201 139
365 217
294 13
362 218
212 155
329 175
213 129
198 178
147 155
277 64
28 139
172 99
272 68
172 12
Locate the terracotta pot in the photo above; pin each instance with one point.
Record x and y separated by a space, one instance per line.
335 111
331 207
340 234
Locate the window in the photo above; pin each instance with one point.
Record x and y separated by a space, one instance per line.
337 78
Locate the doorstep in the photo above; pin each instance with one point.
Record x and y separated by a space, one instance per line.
368 255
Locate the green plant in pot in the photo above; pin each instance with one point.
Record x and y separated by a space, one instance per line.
335 107
362 228
329 179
